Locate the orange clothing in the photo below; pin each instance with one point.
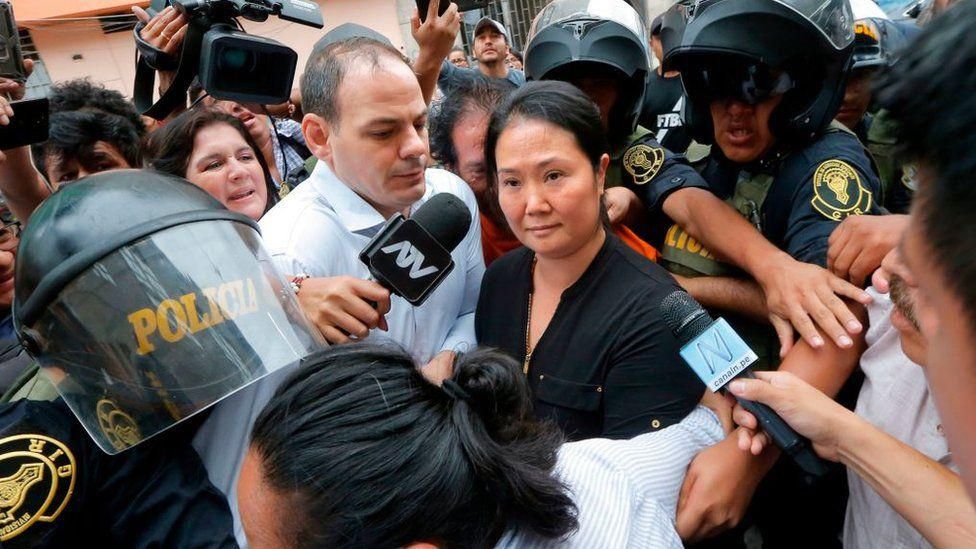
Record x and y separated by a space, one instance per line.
495 242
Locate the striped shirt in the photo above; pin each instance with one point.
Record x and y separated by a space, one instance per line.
626 491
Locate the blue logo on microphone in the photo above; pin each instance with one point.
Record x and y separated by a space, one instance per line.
718 354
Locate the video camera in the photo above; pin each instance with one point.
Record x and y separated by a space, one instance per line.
229 63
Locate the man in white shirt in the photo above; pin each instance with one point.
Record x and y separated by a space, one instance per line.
366 123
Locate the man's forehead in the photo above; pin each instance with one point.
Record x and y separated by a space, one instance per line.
386 90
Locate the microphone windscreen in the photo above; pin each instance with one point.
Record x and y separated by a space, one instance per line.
446 218
686 318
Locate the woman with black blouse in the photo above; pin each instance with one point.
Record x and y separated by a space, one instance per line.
577 307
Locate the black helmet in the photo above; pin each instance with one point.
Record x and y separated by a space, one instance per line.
757 48
573 37
146 301
877 42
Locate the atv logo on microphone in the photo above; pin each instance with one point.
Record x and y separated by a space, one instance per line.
409 256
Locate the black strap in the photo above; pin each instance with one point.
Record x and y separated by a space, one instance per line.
176 94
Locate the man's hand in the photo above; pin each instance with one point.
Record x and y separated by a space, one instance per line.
437 33
807 410
13 90
439 368
804 296
717 490
342 307
892 264
164 32
860 242
619 201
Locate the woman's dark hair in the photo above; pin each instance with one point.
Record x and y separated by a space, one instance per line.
170 147
554 102
368 453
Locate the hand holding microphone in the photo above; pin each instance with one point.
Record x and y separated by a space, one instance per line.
407 257
718 355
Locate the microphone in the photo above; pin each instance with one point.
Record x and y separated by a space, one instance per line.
410 257
718 355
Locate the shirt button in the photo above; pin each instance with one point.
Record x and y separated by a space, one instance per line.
940 430
677 179
655 424
599 389
541 377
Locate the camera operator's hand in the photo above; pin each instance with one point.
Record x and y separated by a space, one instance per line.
343 306
165 32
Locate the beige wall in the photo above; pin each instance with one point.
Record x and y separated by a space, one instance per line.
109 58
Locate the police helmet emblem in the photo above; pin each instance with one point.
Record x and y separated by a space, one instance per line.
37 478
838 192
119 427
643 162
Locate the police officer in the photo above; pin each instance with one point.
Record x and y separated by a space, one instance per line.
144 302
763 80
877 43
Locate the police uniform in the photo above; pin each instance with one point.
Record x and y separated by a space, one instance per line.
58 489
642 164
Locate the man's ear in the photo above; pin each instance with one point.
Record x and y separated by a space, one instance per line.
318 136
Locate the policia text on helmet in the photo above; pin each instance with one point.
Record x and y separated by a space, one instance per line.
752 51
145 301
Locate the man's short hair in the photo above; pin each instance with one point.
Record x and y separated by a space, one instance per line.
478 95
931 92
83 95
327 68
73 135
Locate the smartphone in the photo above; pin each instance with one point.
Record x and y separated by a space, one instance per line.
423 6
11 60
28 125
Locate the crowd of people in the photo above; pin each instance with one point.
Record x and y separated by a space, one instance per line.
197 353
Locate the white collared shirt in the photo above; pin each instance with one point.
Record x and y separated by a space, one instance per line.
895 398
319 229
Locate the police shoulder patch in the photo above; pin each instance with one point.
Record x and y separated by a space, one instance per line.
37 478
643 162
838 192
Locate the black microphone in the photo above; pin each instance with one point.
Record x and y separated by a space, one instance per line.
718 355
410 257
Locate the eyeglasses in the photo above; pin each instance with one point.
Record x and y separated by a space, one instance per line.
751 83
9 234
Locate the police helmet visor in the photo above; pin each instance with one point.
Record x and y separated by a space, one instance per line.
833 18
748 82
562 11
167 326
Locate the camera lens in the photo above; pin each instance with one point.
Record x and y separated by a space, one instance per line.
232 59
